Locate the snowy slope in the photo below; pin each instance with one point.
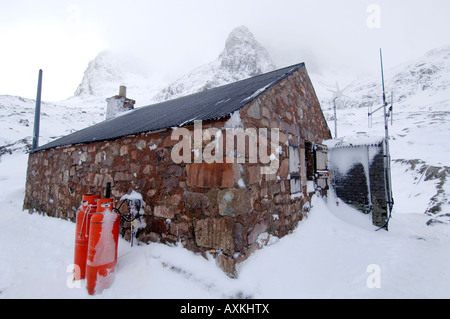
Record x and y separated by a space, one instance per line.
57 119
242 57
424 78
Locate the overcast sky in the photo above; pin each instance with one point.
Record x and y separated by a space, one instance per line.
174 36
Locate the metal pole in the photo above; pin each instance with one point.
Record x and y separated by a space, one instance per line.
387 155
37 113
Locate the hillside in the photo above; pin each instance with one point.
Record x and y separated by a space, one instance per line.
423 78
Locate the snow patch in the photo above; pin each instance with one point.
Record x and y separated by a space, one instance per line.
234 121
241 183
265 239
257 93
133 196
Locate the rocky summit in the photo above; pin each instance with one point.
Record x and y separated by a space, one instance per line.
242 57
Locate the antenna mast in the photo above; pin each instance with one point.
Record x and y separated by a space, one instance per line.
335 118
387 154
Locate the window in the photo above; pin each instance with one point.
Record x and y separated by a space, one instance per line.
316 158
310 161
321 166
294 170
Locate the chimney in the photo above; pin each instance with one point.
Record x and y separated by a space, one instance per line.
119 104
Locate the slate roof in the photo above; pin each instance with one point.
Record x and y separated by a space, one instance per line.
208 105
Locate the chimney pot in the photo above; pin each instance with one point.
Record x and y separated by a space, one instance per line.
123 91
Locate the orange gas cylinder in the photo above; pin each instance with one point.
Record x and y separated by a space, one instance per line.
87 209
102 251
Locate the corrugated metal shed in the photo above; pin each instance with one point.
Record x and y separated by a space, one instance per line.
208 105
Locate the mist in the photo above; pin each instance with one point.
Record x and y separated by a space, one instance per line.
170 38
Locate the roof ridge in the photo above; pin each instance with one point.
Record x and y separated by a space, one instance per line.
291 68
211 104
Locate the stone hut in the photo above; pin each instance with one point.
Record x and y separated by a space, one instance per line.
175 155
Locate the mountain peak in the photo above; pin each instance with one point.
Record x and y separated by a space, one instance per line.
243 54
109 70
239 36
102 74
243 57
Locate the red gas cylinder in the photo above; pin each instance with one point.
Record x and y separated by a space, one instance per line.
87 209
102 251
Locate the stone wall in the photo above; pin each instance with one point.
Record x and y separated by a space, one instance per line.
220 208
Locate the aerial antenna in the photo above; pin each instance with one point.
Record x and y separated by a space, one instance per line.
387 155
337 95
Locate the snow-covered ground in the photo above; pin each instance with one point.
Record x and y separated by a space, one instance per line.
334 253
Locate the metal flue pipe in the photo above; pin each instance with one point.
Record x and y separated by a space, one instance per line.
37 113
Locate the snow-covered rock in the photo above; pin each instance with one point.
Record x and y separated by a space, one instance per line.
242 57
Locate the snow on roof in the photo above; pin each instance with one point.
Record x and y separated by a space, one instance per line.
208 105
354 141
